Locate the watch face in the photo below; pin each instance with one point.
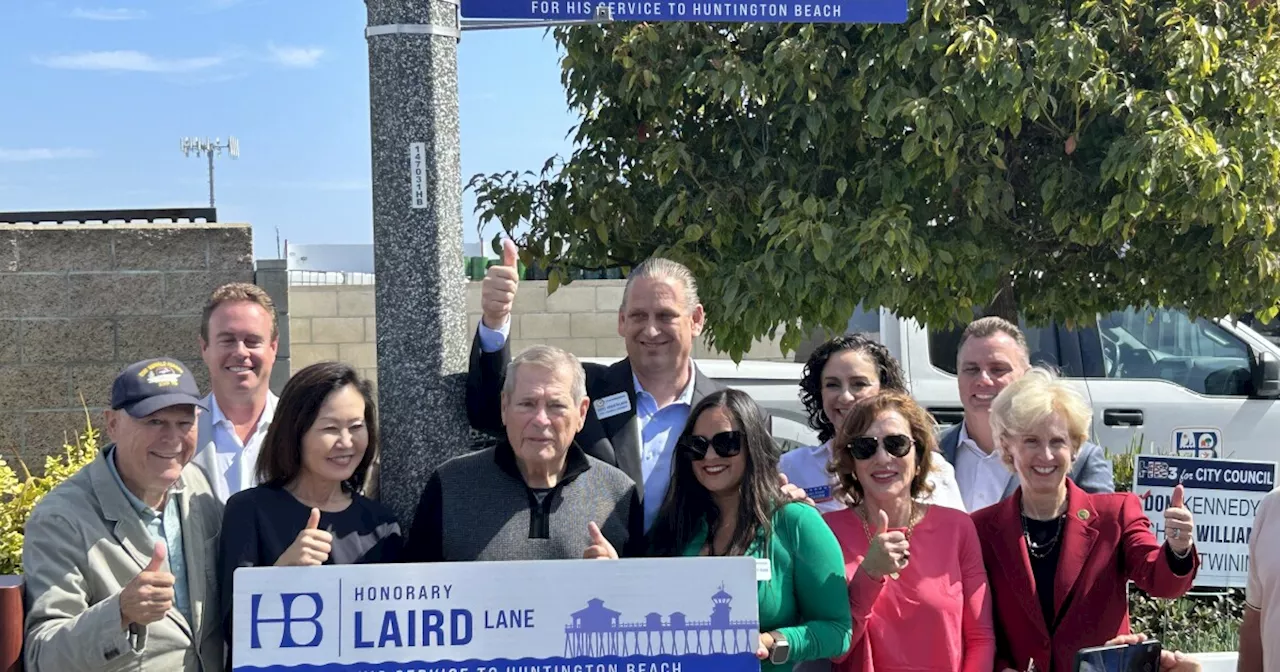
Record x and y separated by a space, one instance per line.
781 651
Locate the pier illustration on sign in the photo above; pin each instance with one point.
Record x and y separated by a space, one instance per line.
598 631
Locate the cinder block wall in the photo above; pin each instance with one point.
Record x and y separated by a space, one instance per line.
333 322
337 322
79 302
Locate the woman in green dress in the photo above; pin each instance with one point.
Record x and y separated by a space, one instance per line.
724 500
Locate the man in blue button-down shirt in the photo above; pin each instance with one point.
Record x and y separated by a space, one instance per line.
640 404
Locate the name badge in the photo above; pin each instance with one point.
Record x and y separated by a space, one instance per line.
820 493
764 569
612 405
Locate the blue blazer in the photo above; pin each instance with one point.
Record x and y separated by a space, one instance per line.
1091 470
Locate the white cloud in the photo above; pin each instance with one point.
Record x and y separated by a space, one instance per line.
128 60
42 154
295 57
119 14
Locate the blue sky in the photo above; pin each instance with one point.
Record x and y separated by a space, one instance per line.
95 98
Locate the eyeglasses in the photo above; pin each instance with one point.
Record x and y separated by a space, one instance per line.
726 444
864 447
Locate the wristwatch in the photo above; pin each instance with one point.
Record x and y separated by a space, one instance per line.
781 650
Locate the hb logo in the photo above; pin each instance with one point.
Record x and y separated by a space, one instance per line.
288 619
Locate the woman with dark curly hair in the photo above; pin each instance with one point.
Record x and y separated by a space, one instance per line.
724 500
839 373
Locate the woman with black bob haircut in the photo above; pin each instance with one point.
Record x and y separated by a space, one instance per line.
308 509
724 500
840 373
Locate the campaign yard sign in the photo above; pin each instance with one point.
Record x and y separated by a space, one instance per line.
1223 497
635 615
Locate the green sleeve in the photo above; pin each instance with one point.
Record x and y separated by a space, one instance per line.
821 592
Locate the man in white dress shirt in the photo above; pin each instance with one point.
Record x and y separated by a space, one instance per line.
238 341
993 353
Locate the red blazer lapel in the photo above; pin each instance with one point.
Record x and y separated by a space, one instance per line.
1078 537
1014 563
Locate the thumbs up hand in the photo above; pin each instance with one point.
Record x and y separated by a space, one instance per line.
310 548
498 289
889 551
150 594
1179 526
600 548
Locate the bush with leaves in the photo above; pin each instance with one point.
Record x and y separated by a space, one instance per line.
21 490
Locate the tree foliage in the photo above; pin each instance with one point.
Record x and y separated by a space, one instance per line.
1067 157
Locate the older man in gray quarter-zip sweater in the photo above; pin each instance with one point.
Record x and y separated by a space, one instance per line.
537 495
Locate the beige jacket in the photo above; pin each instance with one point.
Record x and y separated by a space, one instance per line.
84 543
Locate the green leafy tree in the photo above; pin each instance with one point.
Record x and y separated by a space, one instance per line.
1057 158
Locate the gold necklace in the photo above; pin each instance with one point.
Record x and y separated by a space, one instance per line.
911 520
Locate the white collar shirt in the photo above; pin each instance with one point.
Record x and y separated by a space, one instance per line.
235 460
982 477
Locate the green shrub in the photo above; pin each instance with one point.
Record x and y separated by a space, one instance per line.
1196 623
20 491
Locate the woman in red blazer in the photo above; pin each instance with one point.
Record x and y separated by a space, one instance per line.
1059 558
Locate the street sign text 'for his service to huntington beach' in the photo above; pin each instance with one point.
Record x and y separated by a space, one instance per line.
712 11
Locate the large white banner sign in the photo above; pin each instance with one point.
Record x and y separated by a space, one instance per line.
633 615
1223 497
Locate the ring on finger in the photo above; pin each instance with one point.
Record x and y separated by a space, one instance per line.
1174 534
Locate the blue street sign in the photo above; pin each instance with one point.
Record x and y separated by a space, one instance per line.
709 11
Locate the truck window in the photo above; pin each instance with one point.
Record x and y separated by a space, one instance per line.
1163 344
944 345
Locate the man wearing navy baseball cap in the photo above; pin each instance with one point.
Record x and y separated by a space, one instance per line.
119 556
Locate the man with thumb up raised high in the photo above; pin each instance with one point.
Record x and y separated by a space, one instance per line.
638 404
118 557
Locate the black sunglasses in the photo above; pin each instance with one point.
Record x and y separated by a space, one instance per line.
864 447
726 444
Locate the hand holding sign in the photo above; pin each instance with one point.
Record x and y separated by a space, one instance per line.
498 289
889 551
310 548
600 548
1179 526
150 594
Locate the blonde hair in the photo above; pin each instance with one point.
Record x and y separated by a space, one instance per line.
1038 395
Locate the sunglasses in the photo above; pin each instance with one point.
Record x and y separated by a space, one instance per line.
726 444
864 447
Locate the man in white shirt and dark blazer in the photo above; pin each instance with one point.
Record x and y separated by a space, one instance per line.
992 354
239 337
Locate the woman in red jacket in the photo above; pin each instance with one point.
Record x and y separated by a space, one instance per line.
1059 558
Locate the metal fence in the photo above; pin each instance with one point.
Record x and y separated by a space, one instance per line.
317 278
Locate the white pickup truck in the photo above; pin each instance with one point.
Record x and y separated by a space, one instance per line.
1155 379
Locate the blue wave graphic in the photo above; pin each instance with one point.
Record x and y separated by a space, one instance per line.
736 662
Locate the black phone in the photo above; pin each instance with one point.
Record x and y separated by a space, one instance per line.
1140 657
